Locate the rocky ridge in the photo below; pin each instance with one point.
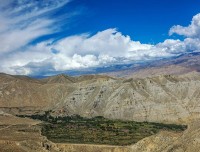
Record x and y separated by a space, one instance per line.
163 98
175 98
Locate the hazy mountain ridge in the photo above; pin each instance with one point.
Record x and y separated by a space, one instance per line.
184 63
168 94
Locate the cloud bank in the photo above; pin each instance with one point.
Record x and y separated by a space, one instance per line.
192 31
25 21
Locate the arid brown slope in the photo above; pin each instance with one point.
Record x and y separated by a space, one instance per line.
22 135
174 98
165 98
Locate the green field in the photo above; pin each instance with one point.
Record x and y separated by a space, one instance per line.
99 130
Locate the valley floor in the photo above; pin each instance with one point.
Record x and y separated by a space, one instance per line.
23 135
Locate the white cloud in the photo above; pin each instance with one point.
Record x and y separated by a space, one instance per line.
23 21
171 46
85 51
17 38
109 42
104 48
192 31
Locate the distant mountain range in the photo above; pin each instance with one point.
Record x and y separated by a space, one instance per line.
174 65
165 91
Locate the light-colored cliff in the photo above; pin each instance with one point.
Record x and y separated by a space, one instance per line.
165 98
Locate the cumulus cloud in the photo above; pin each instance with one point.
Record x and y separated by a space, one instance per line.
74 52
192 31
109 42
24 23
84 51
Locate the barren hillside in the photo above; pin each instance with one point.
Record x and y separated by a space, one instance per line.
164 98
174 98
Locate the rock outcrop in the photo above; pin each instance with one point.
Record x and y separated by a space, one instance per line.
165 98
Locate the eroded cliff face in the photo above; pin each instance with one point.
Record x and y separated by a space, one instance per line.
158 99
166 98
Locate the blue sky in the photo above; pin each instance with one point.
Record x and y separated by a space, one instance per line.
43 37
145 20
